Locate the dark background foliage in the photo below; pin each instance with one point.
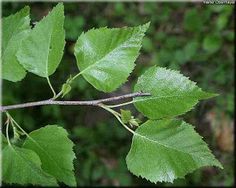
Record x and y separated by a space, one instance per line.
194 38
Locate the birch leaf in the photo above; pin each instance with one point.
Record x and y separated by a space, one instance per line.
163 150
42 50
106 56
55 150
23 166
172 93
15 28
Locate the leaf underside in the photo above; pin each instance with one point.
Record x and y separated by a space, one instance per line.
172 93
163 150
106 56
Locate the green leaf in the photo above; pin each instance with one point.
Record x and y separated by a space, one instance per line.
163 150
3 140
23 166
106 57
134 122
65 89
42 50
125 115
15 29
55 151
171 93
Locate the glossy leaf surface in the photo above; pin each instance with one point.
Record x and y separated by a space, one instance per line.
172 93
106 56
163 150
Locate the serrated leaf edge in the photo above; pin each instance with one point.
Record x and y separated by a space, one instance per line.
66 134
95 64
175 177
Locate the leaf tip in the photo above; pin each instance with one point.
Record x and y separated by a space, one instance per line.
26 9
146 26
207 95
148 23
218 164
59 7
60 4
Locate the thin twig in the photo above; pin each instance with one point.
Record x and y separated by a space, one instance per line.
85 103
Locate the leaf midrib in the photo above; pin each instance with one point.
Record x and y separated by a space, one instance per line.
163 96
49 156
100 60
32 167
166 146
50 38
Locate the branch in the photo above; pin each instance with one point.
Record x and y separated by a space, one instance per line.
85 103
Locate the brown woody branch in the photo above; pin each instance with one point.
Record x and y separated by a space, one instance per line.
84 103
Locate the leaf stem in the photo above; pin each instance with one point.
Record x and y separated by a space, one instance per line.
57 95
121 104
125 126
68 81
19 127
7 130
50 85
77 75
117 115
109 110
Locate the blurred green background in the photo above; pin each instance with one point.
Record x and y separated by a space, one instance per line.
194 38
